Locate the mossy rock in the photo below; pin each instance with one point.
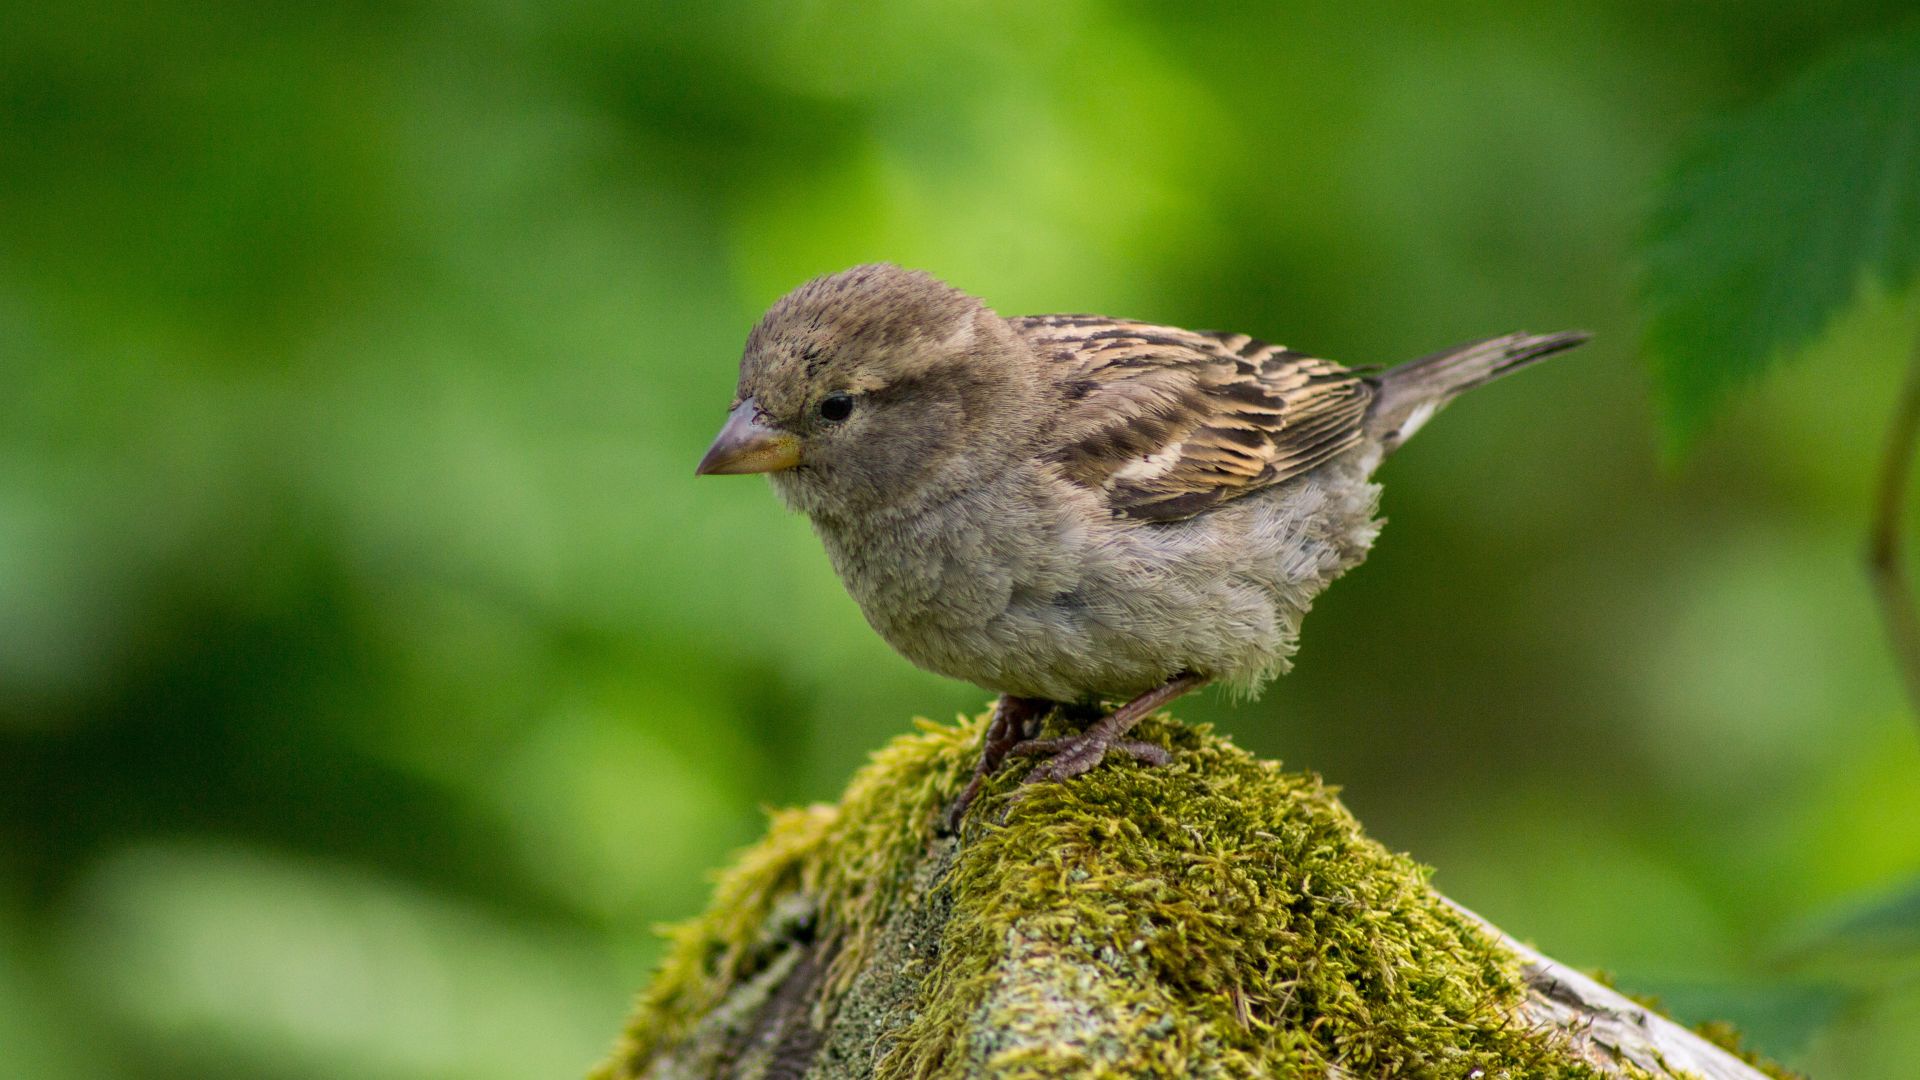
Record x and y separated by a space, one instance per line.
1216 917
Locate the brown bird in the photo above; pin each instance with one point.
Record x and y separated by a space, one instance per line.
1069 509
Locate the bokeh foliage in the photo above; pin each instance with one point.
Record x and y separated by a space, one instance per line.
1775 225
373 673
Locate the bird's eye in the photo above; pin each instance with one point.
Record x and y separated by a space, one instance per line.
836 407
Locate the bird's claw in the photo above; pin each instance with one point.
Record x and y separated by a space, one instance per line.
1071 755
1014 721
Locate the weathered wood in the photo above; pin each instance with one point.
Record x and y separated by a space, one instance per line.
1611 1030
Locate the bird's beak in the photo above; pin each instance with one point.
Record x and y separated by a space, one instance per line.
748 444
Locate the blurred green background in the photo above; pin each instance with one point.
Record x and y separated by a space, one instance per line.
374 674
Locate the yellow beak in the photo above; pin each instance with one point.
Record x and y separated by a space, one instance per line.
748 444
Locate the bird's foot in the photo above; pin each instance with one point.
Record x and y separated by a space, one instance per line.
1071 755
1014 721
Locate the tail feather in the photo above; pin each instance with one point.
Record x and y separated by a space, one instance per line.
1409 395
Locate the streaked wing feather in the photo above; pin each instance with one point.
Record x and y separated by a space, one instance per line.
1168 422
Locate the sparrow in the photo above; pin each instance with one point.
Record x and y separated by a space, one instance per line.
1071 509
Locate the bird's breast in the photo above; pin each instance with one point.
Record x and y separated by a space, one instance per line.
942 570
984 586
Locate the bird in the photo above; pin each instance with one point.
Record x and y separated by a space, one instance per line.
1068 510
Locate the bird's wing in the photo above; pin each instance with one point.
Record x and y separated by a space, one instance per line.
1167 422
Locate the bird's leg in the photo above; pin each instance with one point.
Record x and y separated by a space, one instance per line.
1014 721
1071 755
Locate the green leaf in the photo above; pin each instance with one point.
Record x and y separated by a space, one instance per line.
1774 224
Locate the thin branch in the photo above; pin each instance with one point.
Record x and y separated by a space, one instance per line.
1887 551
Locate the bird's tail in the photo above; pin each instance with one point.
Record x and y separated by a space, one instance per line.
1410 394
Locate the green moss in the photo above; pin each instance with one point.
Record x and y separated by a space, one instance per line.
709 956
1216 917
850 861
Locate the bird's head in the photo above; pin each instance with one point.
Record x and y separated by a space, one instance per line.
862 387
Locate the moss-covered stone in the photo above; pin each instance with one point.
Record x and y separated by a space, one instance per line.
1215 917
